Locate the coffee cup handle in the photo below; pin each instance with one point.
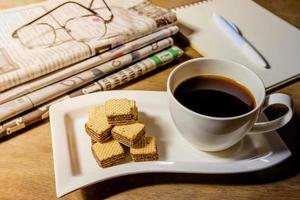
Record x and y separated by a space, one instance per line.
277 98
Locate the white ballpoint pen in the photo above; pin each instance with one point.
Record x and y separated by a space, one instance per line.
233 34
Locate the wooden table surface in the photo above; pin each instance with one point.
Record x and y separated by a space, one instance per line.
26 162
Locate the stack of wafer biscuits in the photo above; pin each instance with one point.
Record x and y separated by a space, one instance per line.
115 126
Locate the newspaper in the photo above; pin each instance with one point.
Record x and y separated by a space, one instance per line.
123 76
56 76
26 102
55 41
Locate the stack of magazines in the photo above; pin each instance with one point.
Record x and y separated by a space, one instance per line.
61 49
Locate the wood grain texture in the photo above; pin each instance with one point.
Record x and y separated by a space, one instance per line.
26 163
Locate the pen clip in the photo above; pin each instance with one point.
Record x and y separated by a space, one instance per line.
230 23
233 26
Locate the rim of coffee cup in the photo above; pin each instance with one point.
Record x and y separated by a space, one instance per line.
257 106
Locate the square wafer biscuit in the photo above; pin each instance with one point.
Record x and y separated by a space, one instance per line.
97 126
129 134
121 111
108 154
145 150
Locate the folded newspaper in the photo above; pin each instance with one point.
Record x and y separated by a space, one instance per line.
109 82
43 95
70 33
62 74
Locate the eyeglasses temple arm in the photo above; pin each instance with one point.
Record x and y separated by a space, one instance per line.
108 8
111 14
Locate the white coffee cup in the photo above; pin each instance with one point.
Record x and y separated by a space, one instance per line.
218 133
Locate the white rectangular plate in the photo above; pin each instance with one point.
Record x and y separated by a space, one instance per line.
75 166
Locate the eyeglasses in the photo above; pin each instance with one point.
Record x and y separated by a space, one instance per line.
83 28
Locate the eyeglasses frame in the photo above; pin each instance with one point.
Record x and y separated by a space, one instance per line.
15 33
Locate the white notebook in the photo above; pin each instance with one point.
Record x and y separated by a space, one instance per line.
275 39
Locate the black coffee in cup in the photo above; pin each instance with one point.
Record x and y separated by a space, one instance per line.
215 96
